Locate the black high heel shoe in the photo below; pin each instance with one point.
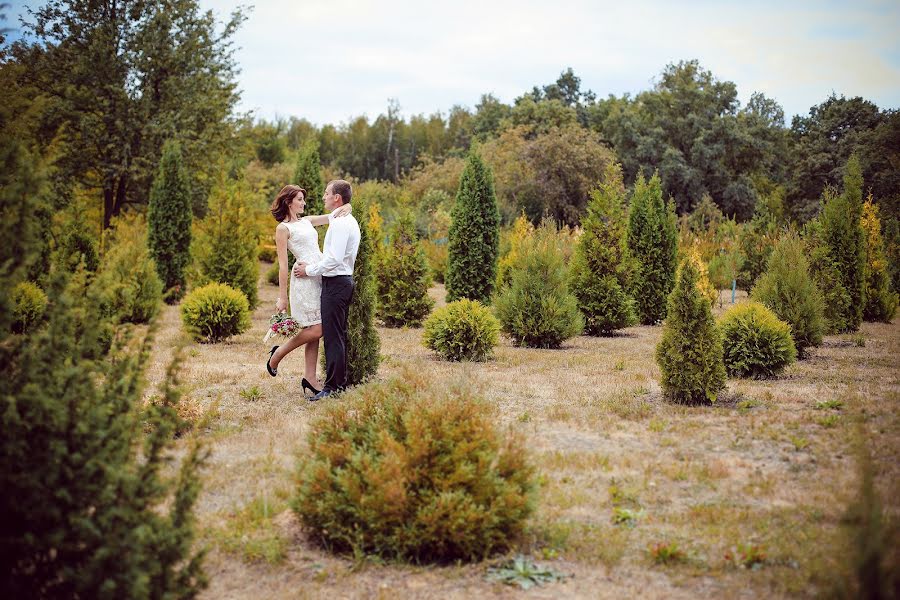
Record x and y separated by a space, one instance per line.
308 386
272 372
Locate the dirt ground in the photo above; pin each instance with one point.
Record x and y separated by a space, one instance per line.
772 465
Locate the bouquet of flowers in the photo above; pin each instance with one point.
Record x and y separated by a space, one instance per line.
283 325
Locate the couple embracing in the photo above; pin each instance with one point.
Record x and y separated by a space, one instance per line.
320 284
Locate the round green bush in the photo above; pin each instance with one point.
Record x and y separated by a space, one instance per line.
268 253
29 305
409 470
215 312
462 330
756 343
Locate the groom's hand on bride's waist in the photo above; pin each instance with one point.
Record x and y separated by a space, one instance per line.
299 269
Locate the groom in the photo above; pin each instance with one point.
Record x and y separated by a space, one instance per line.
336 269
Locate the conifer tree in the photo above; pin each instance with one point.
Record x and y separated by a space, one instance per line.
308 175
881 302
759 236
169 219
363 343
789 290
844 237
690 353
228 243
474 234
653 242
601 267
825 273
406 301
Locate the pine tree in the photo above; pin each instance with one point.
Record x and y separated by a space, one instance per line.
789 290
169 219
845 240
653 242
474 234
881 302
90 508
308 175
690 353
228 243
363 343
826 274
406 301
601 266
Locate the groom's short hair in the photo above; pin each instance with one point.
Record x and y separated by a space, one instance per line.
342 188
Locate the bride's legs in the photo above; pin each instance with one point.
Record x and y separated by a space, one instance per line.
309 334
311 353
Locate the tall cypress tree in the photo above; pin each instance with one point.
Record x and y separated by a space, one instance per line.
405 270
600 270
363 343
653 242
846 242
308 175
474 234
881 302
169 221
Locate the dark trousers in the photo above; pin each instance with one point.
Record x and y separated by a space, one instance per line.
336 295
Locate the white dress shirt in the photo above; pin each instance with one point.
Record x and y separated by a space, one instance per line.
341 246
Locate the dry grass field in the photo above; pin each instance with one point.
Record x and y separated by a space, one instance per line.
772 466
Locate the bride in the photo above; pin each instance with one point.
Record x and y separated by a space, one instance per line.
299 236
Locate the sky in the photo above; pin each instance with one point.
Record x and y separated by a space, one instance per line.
331 60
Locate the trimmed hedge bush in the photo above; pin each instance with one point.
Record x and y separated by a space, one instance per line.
462 330
410 470
755 342
29 303
215 312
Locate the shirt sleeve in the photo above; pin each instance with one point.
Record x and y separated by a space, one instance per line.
340 237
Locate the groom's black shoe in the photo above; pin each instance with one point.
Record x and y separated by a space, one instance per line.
321 395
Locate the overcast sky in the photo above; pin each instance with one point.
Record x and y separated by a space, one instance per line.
329 60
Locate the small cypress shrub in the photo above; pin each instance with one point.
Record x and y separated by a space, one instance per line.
268 253
409 470
881 302
755 342
169 218
537 309
93 505
474 234
405 301
690 351
363 343
227 242
826 274
788 289
653 242
127 285
759 237
601 267
215 312
522 229
308 175
29 303
462 330
77 246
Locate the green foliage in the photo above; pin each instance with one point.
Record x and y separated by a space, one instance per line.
78 246
215 312
881 302
169 220
690 351
127 286
537 309
600 270
825 272
788 289
411 470
666 553
522 572
23 189
844 238
94 503
755 342
462 330
227 241
29 303
759 237
363 343
308 175
474 235
510 242
405 278
653 242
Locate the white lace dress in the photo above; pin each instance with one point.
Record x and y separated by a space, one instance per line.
305 292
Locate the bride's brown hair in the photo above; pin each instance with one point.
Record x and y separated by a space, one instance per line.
283 201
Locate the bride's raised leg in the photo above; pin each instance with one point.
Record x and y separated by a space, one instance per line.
308 334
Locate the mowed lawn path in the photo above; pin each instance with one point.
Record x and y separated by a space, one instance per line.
772 465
